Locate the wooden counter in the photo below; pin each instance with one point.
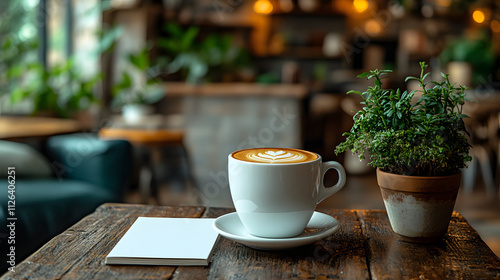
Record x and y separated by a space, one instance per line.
236 89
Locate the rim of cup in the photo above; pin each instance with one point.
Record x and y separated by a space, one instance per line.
275 164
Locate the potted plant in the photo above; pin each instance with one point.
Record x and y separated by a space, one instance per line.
469 59
138 89
418 150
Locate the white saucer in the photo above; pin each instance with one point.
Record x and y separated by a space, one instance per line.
319 227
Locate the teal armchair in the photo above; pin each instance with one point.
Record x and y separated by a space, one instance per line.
86 172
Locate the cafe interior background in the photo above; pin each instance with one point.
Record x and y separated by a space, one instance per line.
222 75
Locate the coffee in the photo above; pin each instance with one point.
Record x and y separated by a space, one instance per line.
275 190
274 155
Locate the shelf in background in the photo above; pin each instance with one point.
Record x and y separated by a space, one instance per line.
324 9
301 53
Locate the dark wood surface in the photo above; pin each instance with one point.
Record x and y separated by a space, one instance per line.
364 248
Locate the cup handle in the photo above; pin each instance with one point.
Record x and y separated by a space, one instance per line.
325 192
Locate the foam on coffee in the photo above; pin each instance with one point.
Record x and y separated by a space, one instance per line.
274 155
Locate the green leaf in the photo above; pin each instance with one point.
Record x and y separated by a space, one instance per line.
363 75
188 38
169 45
140 60
126 83
425 76
17 95
411 78
173 29
108 39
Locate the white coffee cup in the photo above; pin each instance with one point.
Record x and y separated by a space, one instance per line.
275 190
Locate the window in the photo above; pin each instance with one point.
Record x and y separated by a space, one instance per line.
47 34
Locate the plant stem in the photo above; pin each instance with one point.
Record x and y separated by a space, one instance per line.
422 79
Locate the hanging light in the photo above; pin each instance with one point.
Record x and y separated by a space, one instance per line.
478 16
360 5
264 7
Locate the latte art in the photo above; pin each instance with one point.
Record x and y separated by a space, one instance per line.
279 156
274 155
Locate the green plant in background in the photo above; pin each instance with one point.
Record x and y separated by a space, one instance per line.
320 72
59 89
15 56
18 44
183 52
200 59
422 139
477 51
131 89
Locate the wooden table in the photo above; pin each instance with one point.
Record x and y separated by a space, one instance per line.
18 128
145 137
152 140
364 248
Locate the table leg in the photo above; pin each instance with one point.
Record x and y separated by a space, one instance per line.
148 185
145 179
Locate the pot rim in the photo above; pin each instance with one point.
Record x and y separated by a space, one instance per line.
432 184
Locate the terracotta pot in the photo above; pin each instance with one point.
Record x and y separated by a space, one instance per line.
419 208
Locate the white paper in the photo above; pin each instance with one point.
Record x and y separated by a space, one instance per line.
165 241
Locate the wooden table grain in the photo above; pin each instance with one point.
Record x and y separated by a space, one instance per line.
363 248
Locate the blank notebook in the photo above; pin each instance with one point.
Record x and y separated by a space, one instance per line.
165 241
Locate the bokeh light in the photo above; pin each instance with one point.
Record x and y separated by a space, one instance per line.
360 5
495 26
286 5
27 31
30 4
373 27
443 3
263 7
478 16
